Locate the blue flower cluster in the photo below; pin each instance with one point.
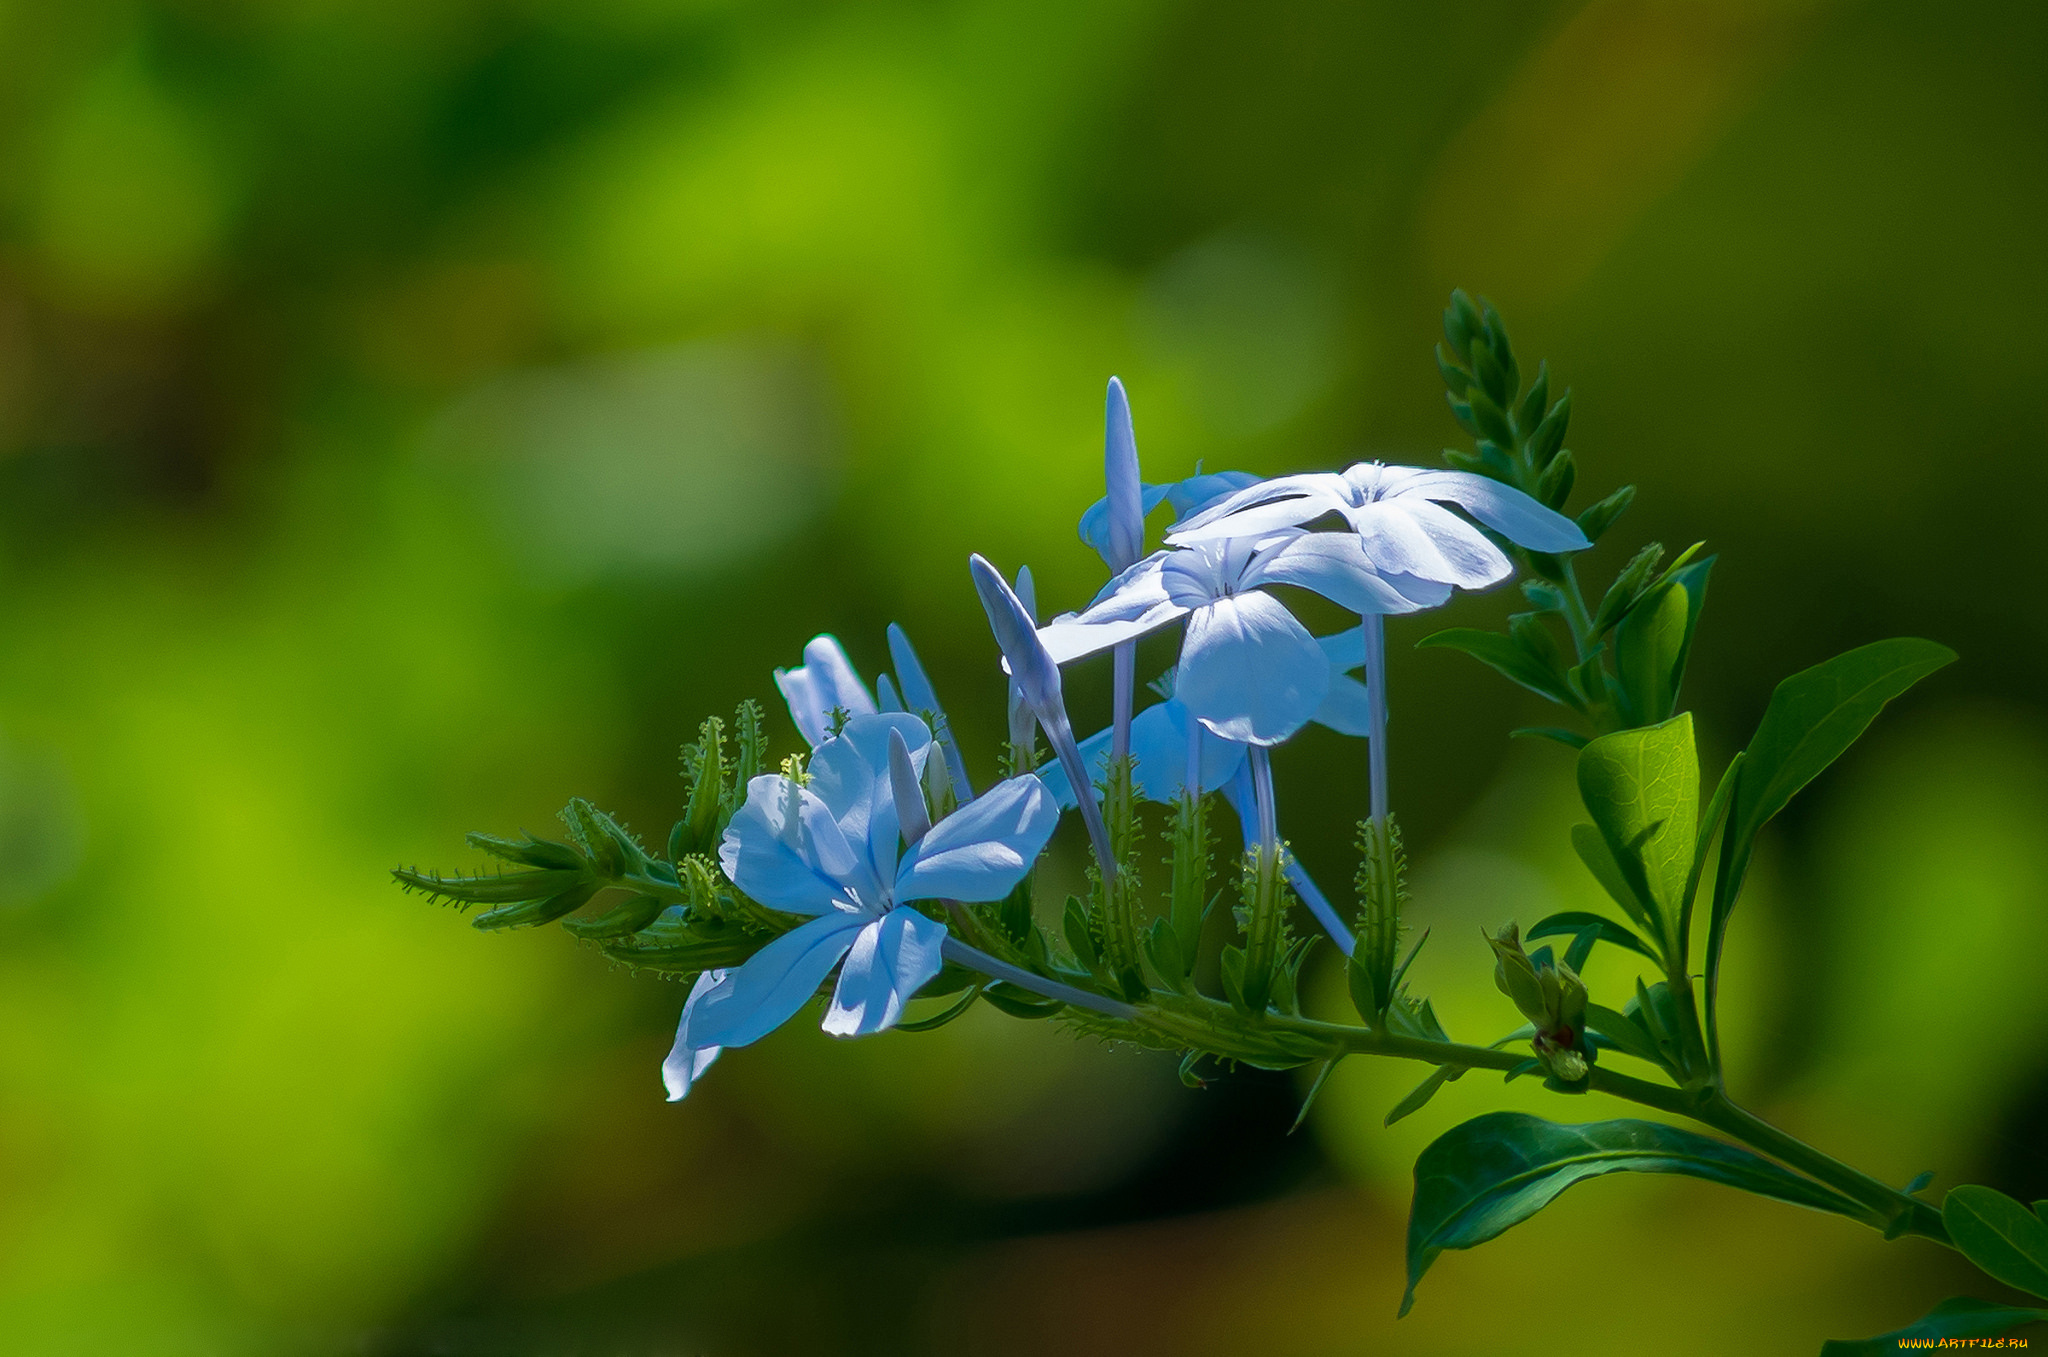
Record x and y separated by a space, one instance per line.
873 825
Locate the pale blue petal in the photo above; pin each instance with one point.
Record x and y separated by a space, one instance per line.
1333 564
1347 707
1200 491
1461 543
1131 591
886 697
686 1064
1282 502
892 958
1095 521
1503 508
1345 649
920 697
756 998
1159 743
1249 671
906 790
850 774
1070 638
824 681
801 867
1414 537
981 851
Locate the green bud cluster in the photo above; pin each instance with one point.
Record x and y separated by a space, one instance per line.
1552 997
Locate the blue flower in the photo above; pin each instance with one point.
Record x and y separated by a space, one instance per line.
1400 529
826 682
833 848
1160 734
1398 516
1248 670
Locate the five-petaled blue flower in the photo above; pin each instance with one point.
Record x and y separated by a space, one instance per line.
834 848
1248 670
1399 520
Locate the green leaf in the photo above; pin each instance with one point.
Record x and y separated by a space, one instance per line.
1647 646
1492 422
1503 654
1579 923
1999 1235
1554 486
1461 321
1717 808
1456 380
1529 411
1628 586
1547 440
944 1015
1626 1034
1593 851
1495 1171
1497 340
1598 519
1958 1317
1492 379
1419 1096
1074 925
628 916
1813 718
1642 788
1019 1002
1322 1076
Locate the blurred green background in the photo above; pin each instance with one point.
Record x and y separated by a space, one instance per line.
415 413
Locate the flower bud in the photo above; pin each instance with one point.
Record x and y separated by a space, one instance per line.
1552 997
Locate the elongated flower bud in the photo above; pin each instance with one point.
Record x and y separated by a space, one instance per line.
1031 665
1126 492
1037 679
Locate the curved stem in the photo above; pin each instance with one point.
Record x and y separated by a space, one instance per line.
973 959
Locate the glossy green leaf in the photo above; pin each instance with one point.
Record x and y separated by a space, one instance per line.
1503 654
1593 851
1493 1172
1625 1033
1578 923
1959 1317
1642 788
1813 718
1649 649
1999 1235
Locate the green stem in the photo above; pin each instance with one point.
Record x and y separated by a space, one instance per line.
1890 1210
1898 1213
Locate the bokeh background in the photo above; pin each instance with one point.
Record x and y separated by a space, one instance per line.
415 413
